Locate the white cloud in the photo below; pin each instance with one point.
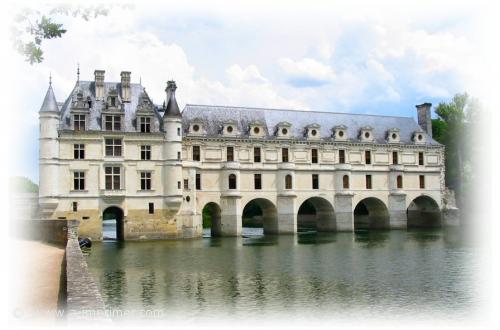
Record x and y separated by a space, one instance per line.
250 74
306 72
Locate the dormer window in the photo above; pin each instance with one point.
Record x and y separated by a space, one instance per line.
312 131
256 129
196 127
112 122
419 137
145 124
230 128
340 133
283 130
393 135
367 134
112 101
79 122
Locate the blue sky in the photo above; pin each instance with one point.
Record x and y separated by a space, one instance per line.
360 57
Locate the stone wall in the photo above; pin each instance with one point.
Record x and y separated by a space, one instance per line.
49 231
83 299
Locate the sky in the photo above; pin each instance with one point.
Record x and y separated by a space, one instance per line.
357 56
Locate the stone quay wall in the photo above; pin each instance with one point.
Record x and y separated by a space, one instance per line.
83 299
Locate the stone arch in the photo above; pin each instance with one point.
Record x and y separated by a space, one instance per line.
115 213
371 213
423 212
267 216
316 213
211 217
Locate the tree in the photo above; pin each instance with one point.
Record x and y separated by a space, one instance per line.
454 128
21 184
31 27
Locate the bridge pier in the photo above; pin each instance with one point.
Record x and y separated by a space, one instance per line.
287 215
397 210
344 211
231 216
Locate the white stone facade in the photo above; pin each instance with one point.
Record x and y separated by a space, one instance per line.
357 171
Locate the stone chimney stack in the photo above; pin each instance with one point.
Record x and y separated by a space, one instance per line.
424 117
99 84
125 86
170 89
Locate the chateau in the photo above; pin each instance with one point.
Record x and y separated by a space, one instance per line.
109 148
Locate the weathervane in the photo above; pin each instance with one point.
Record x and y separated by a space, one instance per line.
50 78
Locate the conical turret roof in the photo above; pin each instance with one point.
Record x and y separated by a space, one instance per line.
172 108
49 103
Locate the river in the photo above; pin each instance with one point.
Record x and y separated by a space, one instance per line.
418 273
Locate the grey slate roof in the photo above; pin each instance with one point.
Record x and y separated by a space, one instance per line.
49 102
129 109
213 117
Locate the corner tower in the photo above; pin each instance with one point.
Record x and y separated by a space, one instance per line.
49 154
172 124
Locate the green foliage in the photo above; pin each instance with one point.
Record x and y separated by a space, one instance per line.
454 128
21 184
31 27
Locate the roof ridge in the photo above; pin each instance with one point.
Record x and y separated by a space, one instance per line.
276 109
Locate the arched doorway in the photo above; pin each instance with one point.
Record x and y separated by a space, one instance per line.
260 213
211 219
371 213
112 224
316 214
423 212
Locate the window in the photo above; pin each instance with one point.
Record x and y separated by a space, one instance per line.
315 181
79 151
420 158
288 181
178 155
256 130
178 131
79 122
256 155
145 180
284 155
112 177
196 153
341 156
196 128
186 184
113 101
368 181
145 124
368 157
145 152
198 181
232 181
151 208
75 206
399 181
178 185
422 181
395 157
113 147
112 123
230 154
257 181
78 180
314 156
345 181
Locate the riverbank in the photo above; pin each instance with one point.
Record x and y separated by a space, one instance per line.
35 293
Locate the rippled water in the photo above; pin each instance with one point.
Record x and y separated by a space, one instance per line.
380 273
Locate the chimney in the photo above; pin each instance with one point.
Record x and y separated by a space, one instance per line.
99 84
170 89
125 86
424 117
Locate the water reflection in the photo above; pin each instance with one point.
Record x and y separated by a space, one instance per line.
322 274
